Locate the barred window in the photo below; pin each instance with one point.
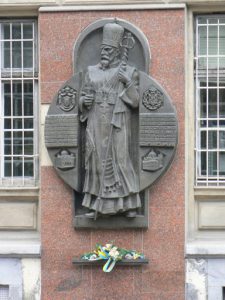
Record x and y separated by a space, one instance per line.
4 292
18 105
210 100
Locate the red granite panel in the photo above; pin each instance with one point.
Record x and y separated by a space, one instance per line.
49 90
163 242
120 238
57 36
169 190
115 284
58 33
138 239
60 279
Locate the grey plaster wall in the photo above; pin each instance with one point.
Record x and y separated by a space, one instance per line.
205 279
11 274
216 278
196 279
22 276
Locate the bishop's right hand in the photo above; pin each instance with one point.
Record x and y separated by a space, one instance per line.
88 100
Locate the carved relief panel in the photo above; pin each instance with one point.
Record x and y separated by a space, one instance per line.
111 130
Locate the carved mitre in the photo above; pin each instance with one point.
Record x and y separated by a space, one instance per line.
112 34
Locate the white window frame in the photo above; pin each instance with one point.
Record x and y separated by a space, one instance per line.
22 75
208 179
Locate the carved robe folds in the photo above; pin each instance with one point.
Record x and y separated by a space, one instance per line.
110 111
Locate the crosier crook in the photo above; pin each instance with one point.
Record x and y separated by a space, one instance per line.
127 43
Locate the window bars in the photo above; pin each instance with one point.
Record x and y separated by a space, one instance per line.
210 100
18 105
4 292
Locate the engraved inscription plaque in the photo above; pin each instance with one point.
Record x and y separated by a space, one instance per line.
158 130
61 131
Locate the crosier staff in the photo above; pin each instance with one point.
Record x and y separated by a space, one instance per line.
127 43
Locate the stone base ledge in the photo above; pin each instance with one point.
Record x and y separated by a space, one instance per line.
116 222
123 262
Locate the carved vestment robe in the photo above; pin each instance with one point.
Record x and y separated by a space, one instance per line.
109 171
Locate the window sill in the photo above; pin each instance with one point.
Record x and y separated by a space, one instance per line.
209 191
205 249
19 192
20 248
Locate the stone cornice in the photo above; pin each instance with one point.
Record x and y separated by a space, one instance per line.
124 6
76 5
12 3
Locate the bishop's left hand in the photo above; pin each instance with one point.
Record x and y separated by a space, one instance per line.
124 77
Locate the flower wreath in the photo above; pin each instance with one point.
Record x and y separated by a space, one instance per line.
112 254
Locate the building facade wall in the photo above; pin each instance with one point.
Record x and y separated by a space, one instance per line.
163 242
164 24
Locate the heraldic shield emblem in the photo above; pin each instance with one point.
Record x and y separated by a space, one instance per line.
67 98
111 130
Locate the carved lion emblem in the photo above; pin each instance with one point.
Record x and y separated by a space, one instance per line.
67 98
153 98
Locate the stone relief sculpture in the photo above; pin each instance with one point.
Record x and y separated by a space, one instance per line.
110 91
111 130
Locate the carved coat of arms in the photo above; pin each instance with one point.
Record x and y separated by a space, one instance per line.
67 98
153 98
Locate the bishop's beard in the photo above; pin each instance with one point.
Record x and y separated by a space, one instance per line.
104 62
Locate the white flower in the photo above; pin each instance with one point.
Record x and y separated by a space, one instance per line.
108 246
93 257
114 253
128 256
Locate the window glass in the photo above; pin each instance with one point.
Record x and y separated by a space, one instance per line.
6 31
8 142
28 54
16 31
4 292
27 31
6 52
202 40
203 108
16 54
212 103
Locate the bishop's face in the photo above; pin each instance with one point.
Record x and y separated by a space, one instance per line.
108 55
